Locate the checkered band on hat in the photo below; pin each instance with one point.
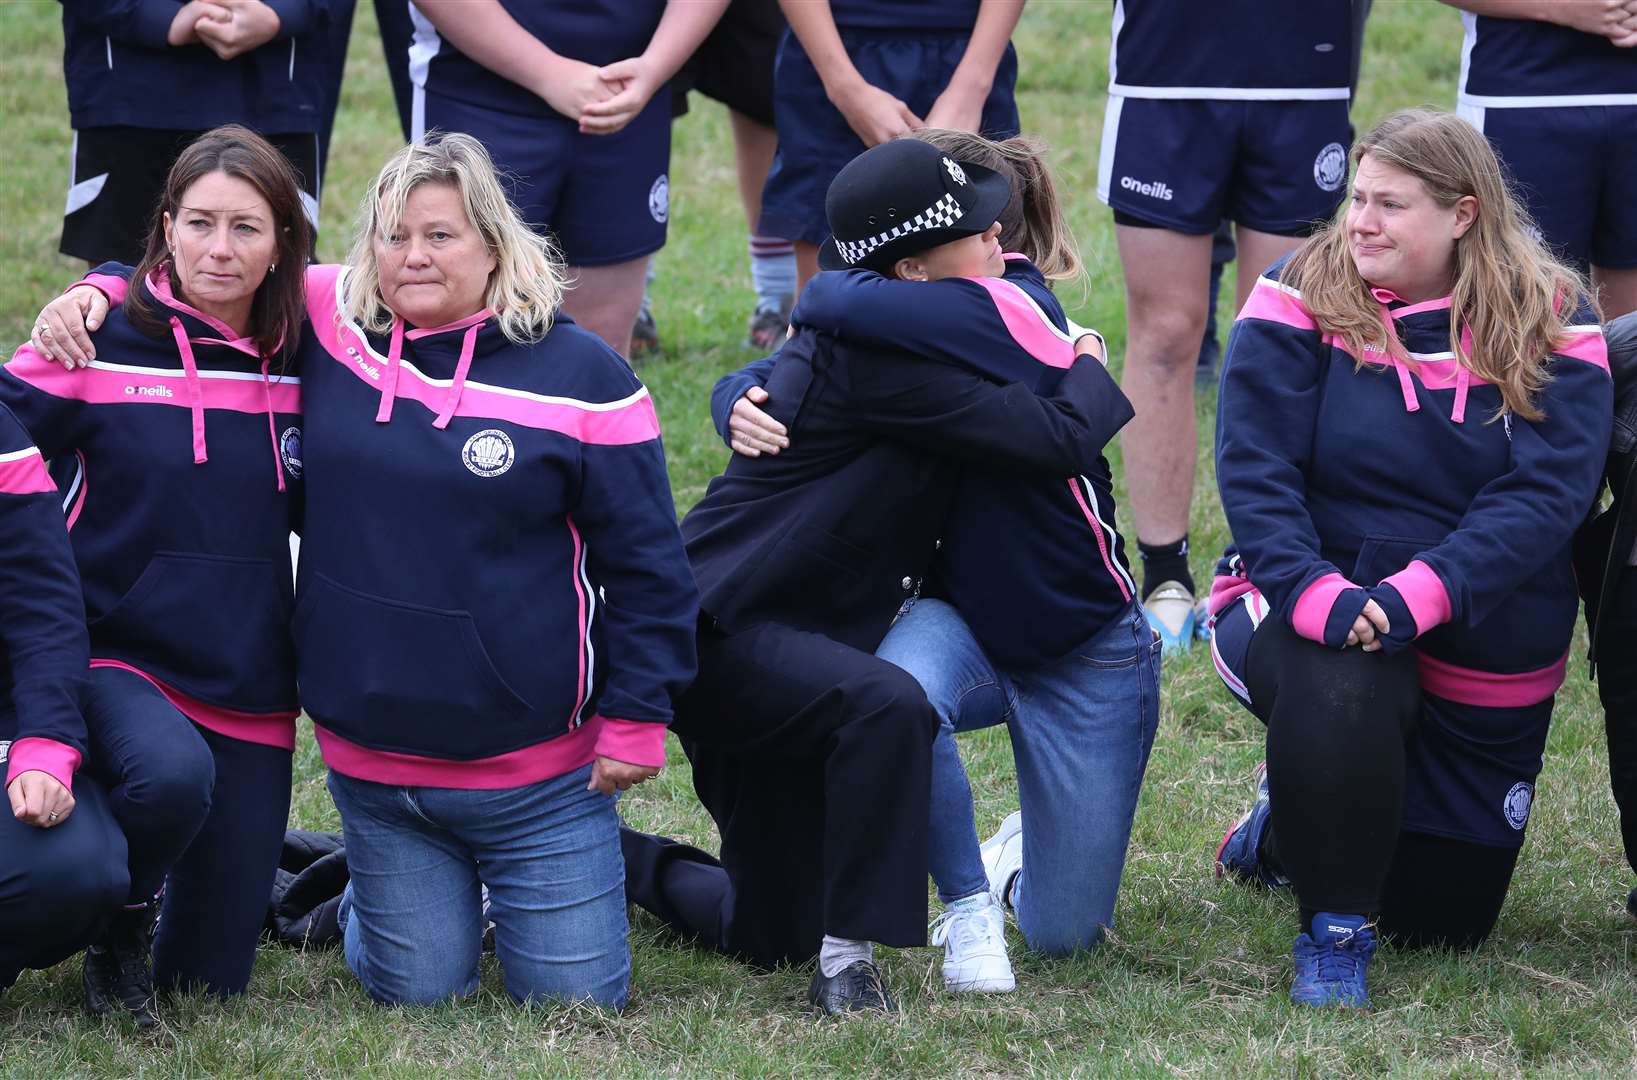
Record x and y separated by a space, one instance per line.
946 211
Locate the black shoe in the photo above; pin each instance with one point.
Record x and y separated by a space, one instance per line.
858 987
118 972
1631 903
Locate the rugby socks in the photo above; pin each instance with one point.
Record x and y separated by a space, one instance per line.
836 953
1165 562
772 271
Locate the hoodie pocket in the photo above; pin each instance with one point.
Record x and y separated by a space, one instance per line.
1382 556
404 677
216 627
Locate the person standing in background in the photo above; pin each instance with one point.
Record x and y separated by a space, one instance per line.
1207 118
566 97
1554 87
263 65
855 73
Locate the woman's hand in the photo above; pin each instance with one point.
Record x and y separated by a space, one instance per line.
609 776
1368 626
185 22
571 86
38 799
63 330
875 115
752 432
249 24
632 84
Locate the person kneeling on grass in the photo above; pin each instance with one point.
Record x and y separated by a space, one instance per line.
1029 616
1414 414
813 755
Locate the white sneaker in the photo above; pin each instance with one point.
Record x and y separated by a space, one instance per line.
974 941
1003 858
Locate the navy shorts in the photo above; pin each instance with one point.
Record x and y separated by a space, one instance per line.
1576 169
814 139
1469 771
606 198
1186 165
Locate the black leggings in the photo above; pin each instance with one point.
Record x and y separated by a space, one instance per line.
1617 686
1337 724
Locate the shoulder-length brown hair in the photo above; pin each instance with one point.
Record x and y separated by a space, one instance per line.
279 305
1032 223
1510 291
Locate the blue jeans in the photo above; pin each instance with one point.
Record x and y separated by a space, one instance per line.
411 917
1081 731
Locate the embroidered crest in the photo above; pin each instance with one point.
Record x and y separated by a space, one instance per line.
659 199
290 451
1330 167
1517 803
488 453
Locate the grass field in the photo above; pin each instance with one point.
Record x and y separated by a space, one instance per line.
1192 981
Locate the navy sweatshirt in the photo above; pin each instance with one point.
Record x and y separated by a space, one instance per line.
1510 63
492 587
43 650
1344 481
121 72
178 457
1032 562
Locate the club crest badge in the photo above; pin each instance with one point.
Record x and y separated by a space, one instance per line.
1330 167
1517 803
290 451
488 453
659 199
956 173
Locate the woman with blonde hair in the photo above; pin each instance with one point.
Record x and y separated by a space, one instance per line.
1414 412
493 609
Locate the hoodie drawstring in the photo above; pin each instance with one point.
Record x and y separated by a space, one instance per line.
1406 385
272 427
196 394
468 345
389 385
1463 376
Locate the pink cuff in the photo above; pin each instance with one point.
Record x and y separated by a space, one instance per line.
57 760
1423 593
635 742
1312 609
114 288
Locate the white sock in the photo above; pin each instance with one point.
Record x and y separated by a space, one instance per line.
772 271
836 953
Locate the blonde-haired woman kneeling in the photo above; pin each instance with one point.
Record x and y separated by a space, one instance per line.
1414 412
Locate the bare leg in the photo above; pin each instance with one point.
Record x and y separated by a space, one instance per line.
1166 277
1618 289
753 146
807 266
605 300
1257 252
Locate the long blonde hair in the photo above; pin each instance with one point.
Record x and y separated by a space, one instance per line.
1032 223
1512 293
528 281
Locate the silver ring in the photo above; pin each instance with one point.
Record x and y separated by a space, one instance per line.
41 328
52 816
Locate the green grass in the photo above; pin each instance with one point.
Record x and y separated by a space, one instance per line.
1193 980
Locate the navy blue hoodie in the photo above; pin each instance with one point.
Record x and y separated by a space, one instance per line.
1034 565
43 651
177 457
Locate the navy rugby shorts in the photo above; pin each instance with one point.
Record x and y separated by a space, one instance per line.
1576 169
814 139
1187 165
606 198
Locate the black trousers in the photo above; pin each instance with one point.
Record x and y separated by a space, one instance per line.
815 761
59 886
1338 722
1617 686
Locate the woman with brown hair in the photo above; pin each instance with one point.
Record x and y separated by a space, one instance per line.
176 450
1414 413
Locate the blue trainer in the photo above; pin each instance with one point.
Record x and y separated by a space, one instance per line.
1237 852
1332 960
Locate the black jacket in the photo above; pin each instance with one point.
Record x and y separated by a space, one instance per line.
1606 544
834 533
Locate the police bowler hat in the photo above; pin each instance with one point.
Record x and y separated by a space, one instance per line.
902 197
